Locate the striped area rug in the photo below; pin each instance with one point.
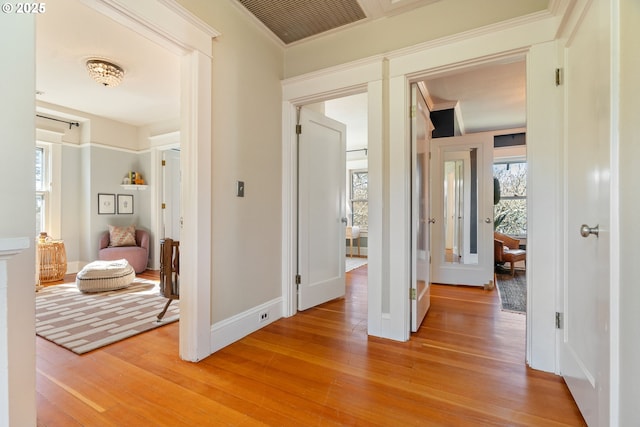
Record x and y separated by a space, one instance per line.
83 322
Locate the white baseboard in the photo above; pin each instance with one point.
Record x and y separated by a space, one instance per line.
239 326
75 266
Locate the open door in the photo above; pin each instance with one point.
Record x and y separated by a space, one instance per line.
420 137
462 210
584 335
321 209
171 194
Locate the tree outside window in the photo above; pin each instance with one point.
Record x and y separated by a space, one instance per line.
359 199
510 214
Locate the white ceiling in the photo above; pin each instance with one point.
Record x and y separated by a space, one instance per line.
491 97
70 33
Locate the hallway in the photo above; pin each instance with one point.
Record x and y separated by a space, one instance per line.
465 367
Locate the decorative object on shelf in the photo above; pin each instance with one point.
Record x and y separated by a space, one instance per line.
51 259
125 204
105 72
134 178
133 181
106 204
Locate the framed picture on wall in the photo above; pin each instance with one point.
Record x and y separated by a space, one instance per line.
106 204
125 204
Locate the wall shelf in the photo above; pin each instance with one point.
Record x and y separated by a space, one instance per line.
134 187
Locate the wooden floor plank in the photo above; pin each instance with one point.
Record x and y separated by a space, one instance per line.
464 367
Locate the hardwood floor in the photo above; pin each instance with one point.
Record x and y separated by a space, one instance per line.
465 367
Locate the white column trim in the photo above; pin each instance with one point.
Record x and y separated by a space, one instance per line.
8 248
173 27
195 236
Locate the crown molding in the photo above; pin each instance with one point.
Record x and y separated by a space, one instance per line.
472 34
258 23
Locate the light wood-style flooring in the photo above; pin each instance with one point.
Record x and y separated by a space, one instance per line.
465 367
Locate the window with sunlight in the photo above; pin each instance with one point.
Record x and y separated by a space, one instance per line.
359 199
510 214
42 188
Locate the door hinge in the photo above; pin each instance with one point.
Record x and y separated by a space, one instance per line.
298 279
164 163
559 321
412 294
558 76
412 113
298 129
164 206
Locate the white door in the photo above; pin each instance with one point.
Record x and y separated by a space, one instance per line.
321 209
420 136
171 193
462 210
584 348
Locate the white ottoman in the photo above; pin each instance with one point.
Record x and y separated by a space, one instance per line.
100 276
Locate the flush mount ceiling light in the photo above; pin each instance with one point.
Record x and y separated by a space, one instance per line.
104 72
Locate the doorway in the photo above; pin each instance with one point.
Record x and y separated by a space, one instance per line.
351 180
474 112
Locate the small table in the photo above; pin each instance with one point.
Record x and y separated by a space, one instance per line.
51 260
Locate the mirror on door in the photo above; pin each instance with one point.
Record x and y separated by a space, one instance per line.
460 205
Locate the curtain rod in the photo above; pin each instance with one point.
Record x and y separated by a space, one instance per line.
58 120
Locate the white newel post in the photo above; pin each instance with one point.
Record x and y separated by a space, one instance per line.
8 248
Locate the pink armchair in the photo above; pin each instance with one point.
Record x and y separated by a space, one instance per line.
137 256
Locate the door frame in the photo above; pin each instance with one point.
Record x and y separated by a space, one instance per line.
362 77
386 79
159 144
194 49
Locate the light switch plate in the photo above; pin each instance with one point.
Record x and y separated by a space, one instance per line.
240 191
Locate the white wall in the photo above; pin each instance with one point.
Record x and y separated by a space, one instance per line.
95 157
629 250
246 146
380 36
17 217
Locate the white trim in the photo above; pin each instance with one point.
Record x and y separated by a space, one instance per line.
195 236
49 136
12 246
109 147
341 81
160 22
289 212
75 266
165 141
320 85
8 248
159 144
239 326
399 208
168 24
614 220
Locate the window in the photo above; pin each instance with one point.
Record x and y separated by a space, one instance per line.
359 198
510 214
42 187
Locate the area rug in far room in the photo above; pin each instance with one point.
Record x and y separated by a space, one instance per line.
512 290
82 322
352 263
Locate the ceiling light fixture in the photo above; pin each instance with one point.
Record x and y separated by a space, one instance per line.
104 72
